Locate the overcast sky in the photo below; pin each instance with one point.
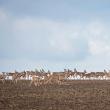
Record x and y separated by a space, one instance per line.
54 34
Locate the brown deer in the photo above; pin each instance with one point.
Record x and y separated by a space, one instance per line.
2 77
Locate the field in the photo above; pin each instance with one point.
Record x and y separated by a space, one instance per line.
71 95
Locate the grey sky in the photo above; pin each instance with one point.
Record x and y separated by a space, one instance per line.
54 34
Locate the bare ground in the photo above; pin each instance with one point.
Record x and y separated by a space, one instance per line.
72 95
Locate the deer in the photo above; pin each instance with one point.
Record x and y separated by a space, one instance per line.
2 77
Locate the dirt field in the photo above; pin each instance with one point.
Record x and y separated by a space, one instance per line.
72 95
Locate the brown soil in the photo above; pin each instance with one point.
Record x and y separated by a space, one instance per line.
71 95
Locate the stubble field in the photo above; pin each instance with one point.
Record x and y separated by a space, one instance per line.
71 95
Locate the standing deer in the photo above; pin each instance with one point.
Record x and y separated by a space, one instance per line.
2 77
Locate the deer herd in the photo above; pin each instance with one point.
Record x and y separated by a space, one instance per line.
42 77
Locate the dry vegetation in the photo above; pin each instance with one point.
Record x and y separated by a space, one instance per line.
71 95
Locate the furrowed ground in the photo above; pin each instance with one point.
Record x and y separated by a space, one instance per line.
71 95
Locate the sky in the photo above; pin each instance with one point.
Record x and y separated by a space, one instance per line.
54 35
